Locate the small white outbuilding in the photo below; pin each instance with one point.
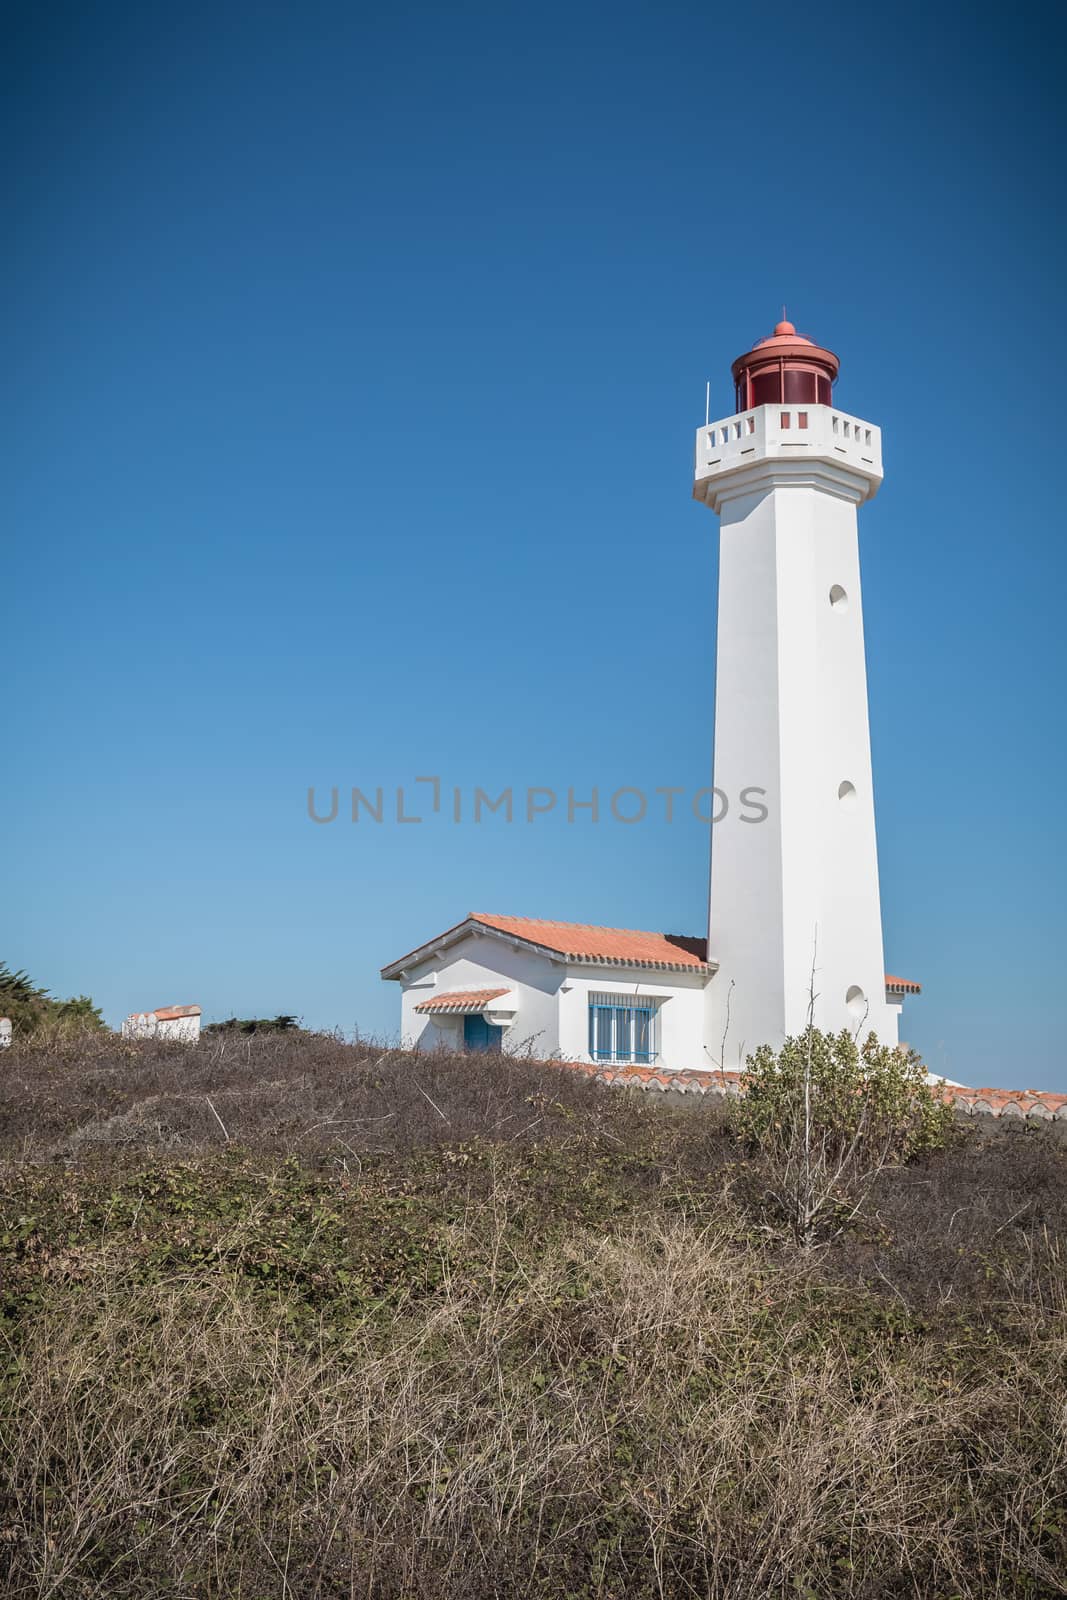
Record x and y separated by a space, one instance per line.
180 1023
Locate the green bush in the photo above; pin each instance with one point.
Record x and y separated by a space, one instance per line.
828 1115
284 1023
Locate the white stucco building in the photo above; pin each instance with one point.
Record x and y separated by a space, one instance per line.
556 989
178 1023
795 916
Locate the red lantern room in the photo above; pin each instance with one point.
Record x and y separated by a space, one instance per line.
785 369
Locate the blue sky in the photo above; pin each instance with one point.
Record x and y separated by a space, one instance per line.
354 358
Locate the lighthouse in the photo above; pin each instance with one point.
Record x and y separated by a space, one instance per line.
795 930
795 915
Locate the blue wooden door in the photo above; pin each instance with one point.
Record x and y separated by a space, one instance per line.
479 1034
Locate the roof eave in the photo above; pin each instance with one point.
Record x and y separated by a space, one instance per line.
423 952
471 925
704 969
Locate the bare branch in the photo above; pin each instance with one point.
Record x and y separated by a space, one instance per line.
218 1119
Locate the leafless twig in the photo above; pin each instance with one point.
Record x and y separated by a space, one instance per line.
425 1096
218 1119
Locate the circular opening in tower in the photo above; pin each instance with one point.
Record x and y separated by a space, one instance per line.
838 598
846 793
855 1000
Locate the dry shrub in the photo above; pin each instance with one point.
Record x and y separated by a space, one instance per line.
655 1412
298 1318
288 1092
983 1218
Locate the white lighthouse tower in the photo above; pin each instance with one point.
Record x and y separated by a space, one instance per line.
795 907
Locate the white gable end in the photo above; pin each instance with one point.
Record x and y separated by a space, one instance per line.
484 962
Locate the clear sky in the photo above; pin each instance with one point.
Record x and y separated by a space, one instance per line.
353 361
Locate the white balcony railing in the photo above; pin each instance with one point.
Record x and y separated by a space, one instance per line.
779 431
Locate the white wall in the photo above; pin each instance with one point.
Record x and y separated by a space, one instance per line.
680 1020
480 961
791 717
186 1030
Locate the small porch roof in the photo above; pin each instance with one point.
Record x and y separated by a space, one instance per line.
461 1002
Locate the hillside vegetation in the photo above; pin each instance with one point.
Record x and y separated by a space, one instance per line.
285 1316
32 1010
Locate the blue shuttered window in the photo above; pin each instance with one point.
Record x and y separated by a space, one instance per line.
601 1032
642 1029
622 1029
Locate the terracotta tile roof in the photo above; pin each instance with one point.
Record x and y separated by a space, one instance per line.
168 1013
460 1000
585 941
698 1081
1009 1103
582 941
1033 1103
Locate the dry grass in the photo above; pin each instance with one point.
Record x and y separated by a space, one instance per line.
291 1093
554 1354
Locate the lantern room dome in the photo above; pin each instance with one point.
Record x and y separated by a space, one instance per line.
785 368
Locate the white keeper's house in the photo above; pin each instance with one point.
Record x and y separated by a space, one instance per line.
794 908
